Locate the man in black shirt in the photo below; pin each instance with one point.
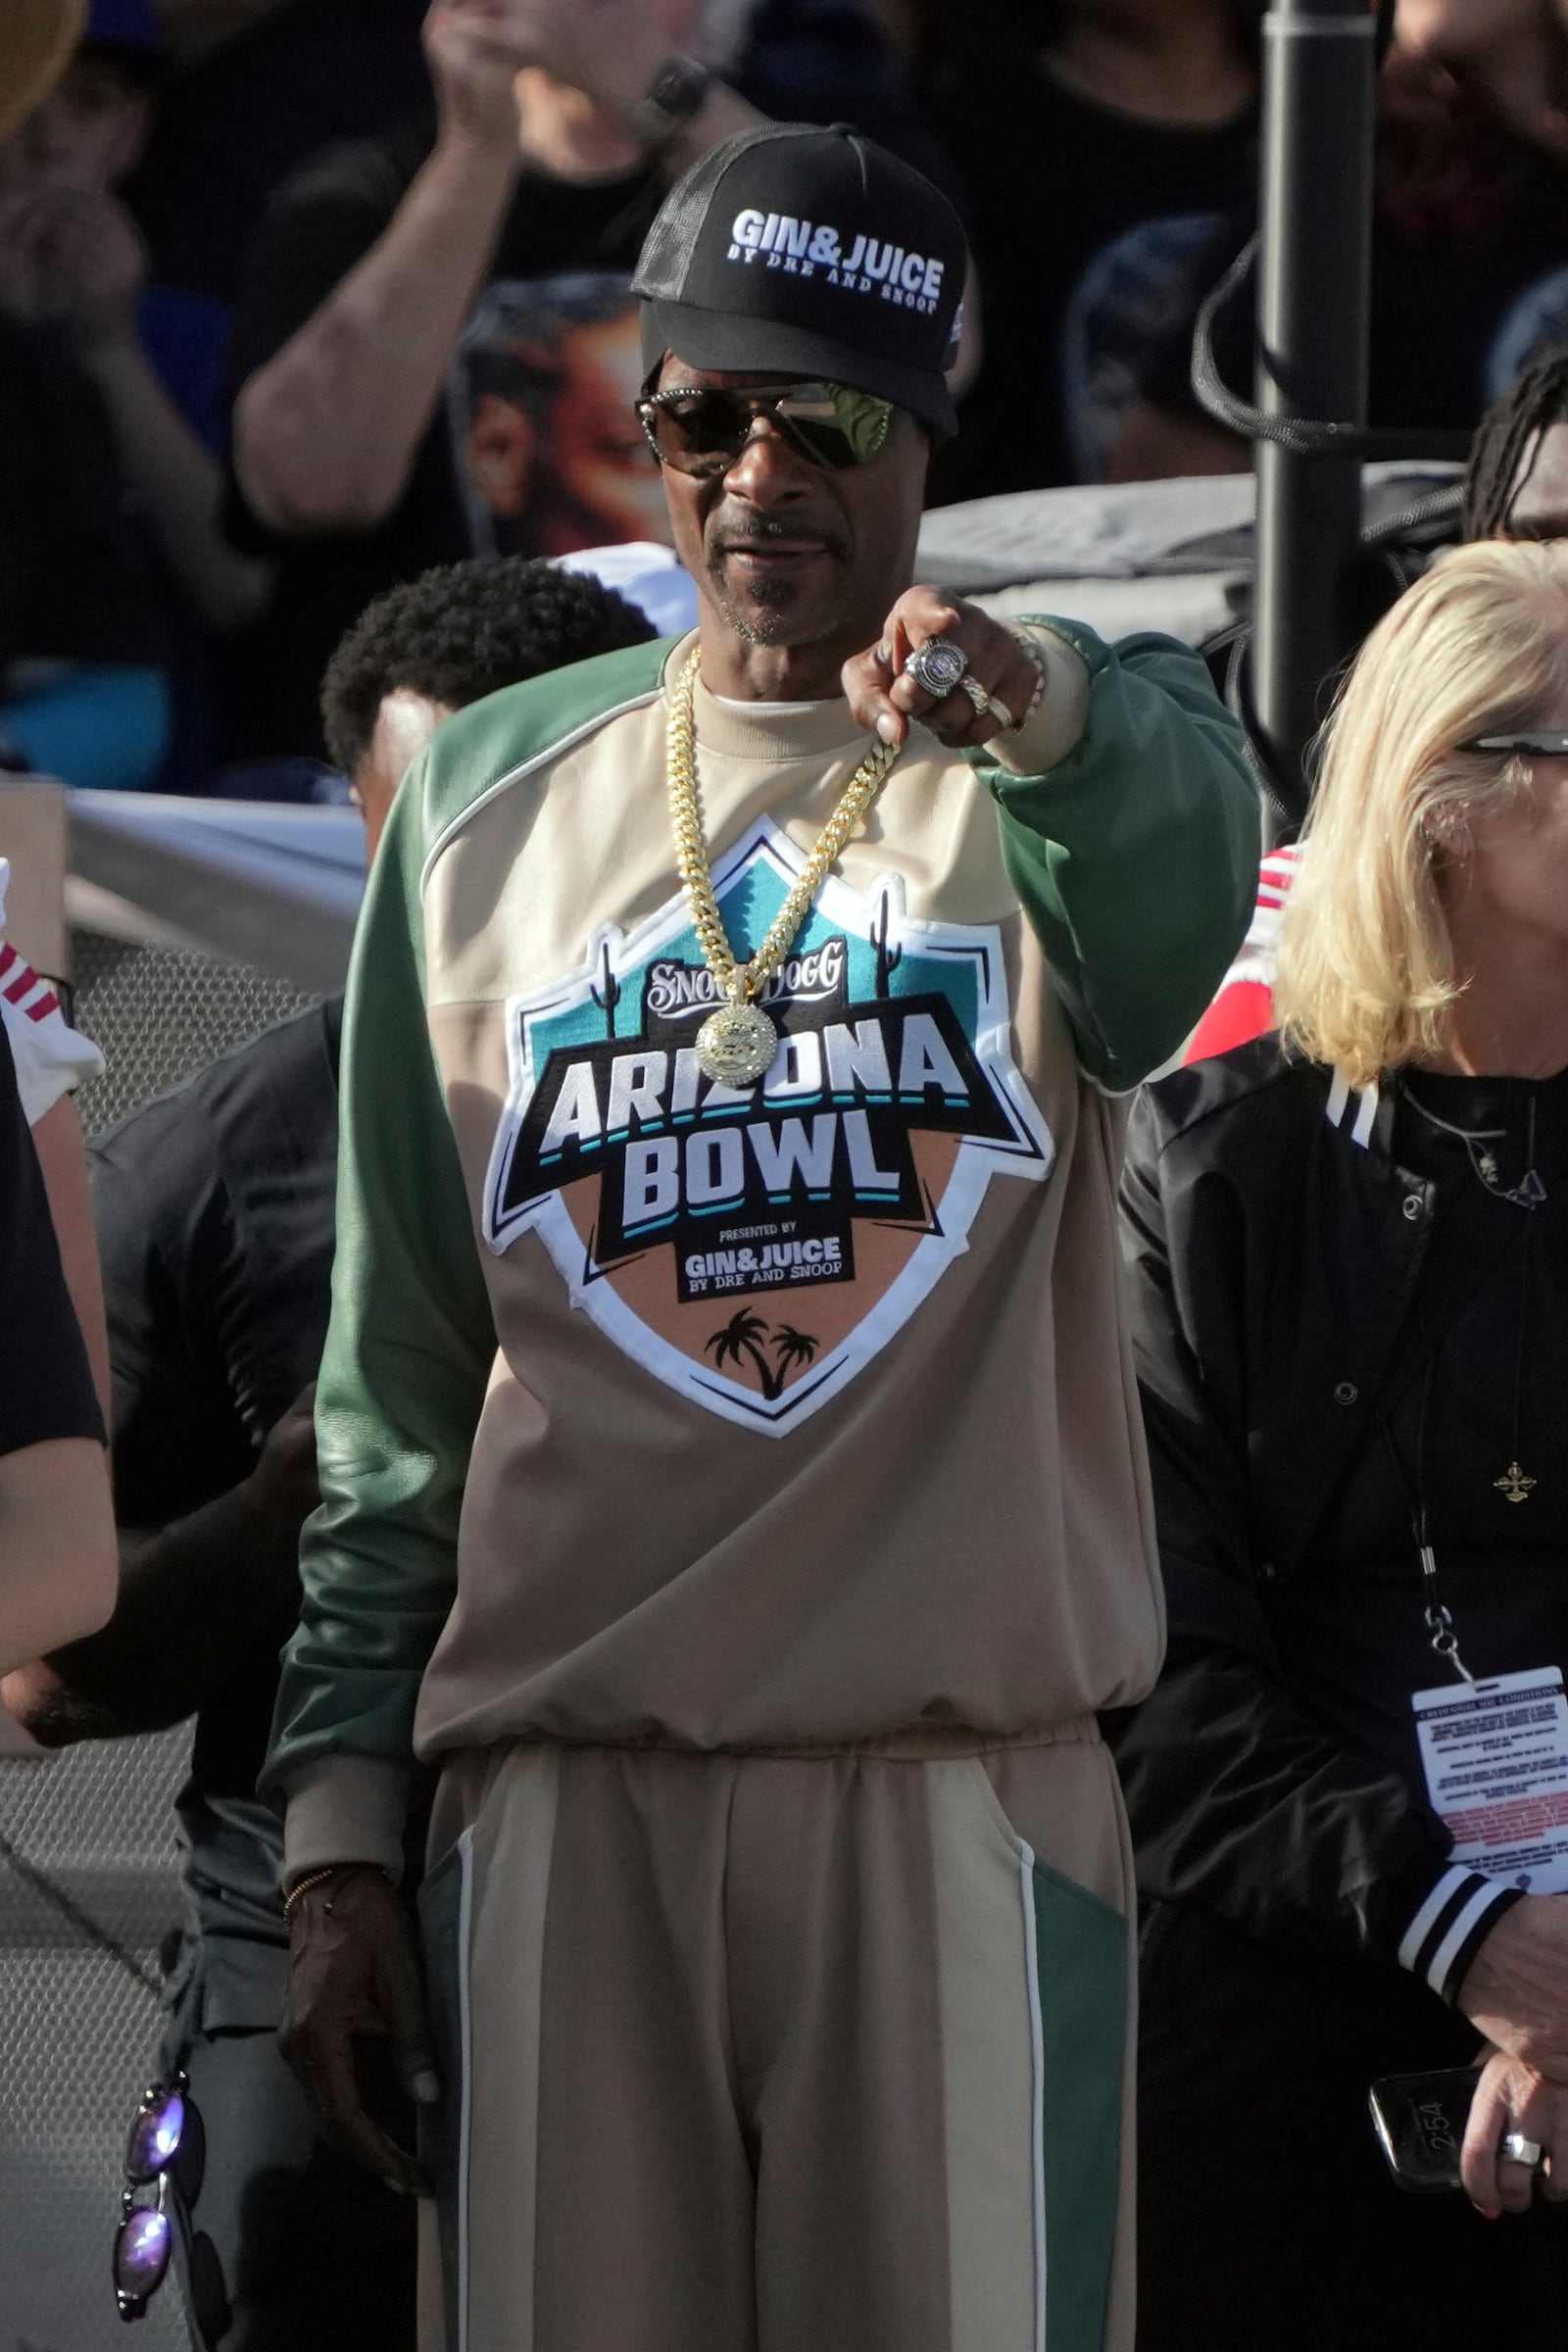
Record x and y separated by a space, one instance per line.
214 1207
1093 149
436 352
57 1563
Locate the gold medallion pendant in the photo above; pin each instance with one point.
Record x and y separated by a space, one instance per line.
737 1045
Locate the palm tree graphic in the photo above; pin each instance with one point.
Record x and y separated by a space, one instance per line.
791 1348
743 1340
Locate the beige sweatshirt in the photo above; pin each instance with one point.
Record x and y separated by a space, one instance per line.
790 1417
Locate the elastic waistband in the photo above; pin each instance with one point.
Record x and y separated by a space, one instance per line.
920 1744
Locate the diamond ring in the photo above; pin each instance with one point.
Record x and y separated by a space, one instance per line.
1516 2149
937 667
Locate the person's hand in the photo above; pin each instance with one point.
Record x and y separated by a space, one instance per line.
611 50
283 1487
1504 53
1516 1987
885 700
1514 2097
353 1976
475 50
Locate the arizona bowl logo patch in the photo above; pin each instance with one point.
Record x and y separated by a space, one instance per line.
755 1246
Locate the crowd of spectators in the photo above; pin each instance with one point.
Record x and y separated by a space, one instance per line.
299 297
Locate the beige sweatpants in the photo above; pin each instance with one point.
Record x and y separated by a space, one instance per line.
761 2053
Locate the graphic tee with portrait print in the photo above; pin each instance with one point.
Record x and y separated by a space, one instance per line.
535 448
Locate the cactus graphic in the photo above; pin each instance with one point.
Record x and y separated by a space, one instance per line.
611 993
888 960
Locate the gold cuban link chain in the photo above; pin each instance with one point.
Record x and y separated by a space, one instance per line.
740 981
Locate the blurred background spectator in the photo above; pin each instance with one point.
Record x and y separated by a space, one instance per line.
435 349
410 292
1470 244
214 1207
252 88
1098 142
115 565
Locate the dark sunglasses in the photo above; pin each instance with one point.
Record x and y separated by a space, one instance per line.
164 2150
1545 743
703 430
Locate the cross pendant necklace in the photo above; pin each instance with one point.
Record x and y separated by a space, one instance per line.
1514 1482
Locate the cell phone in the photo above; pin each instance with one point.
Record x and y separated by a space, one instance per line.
1420 2121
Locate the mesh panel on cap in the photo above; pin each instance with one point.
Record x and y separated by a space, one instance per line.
668 249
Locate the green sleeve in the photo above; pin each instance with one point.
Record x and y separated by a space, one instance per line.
409 1351
1136 857
411 1343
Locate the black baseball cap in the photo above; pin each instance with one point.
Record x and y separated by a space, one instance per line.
815 253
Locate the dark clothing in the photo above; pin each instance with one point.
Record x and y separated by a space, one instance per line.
229 128
1485 1339
214 1215
298 2249
536 449
45 1385
76 582
1277 1259
214 1210
234 123
1081 221
1463 298
1266 2215
1328 1316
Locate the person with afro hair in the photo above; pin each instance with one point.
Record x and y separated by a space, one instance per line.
435 644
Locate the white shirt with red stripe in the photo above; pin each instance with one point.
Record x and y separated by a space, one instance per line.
52 1058
1243 1007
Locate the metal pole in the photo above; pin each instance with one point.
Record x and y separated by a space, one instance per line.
1319 70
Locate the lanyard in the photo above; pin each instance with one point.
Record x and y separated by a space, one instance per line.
1436 1613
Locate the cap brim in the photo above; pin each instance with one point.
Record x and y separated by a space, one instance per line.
721 339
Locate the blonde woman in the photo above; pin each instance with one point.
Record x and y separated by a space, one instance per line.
1349 1242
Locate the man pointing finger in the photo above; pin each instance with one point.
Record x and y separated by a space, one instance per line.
731 1467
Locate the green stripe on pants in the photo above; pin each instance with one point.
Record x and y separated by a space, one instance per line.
1081 1947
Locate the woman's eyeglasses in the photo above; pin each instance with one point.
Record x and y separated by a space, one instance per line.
164 2152
701 431
1545 742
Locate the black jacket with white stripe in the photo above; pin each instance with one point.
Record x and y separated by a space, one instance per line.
1275 1249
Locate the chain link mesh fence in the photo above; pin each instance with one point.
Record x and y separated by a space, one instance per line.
79 2031
161 1014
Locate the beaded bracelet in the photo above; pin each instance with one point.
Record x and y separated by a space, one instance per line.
318 1878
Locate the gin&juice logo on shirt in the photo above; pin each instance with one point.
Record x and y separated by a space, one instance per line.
755 1246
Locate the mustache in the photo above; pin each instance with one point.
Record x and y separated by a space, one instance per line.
726 531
